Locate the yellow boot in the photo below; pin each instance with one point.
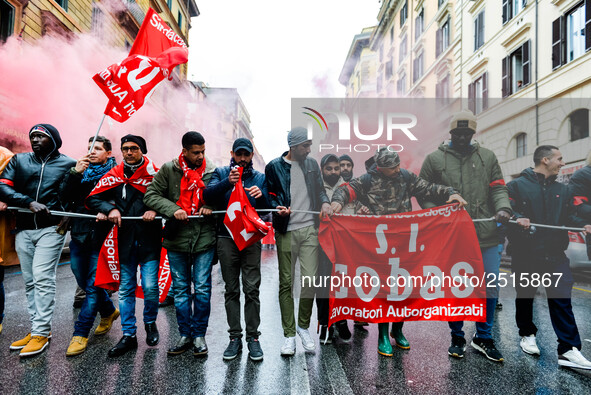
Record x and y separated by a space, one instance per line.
35 346
106 323
77 346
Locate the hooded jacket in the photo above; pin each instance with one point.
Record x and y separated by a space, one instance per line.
28 178
478 178
193 236
543 201
386 195
278 176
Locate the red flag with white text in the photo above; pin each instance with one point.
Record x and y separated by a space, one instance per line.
156 51
420 265
242 221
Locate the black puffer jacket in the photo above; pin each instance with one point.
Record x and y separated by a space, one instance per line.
580 187
543 201
147 235
28 178
278 177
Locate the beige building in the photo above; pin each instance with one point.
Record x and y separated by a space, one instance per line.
359 71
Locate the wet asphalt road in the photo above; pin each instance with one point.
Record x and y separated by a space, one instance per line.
340 368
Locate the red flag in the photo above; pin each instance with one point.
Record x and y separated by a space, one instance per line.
156 51
421 265
108 268
242 221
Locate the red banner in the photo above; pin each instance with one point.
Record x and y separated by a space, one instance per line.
108 269
422 265
156 51
242 221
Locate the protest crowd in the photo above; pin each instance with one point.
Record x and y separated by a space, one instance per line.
188 214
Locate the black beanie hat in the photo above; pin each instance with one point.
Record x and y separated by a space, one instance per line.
50 131
139 140
347 158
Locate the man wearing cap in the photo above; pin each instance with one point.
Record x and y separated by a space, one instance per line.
384 177
176 193
295 189
331 176
32 181
234 262
120 193
347 165
473 170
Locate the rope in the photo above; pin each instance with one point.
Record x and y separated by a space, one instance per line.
77 215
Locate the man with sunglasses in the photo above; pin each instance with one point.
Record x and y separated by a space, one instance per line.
474 171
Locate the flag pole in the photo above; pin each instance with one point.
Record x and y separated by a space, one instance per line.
96 135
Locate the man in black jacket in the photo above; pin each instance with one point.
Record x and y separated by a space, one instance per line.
32 180
538 256
295 186
87 236
580 187
139 241
233 261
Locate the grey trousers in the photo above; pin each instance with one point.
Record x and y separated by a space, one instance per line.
39 251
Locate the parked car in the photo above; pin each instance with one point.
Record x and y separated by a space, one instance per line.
577 251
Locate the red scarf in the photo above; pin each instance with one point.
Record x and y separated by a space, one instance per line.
192 185
140 180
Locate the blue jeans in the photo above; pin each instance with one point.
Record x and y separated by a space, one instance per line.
83 261
149 273
492 261
1 293
192 311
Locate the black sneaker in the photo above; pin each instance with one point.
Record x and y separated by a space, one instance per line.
255 352
487 347
326 334
343 329
233 348
458 346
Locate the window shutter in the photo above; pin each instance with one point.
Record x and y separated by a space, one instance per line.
485 91
525 56
505 77
556 58
587 25
506 11
438 42
471 96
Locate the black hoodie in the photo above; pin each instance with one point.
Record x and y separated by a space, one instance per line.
28 178
543 201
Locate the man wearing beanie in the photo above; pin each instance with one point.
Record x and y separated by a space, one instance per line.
176 193
235 263
464 165
384 177
32 180
120 193
347 165
295 185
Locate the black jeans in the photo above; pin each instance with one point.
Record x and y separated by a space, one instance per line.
248 263
559 297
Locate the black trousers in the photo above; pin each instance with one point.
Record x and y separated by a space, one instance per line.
247 263
558 292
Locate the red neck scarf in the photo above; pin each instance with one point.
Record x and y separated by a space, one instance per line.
192 186
140 180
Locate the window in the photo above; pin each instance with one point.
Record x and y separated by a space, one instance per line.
169 4
440 3
392 35
381 53
63 4
442 90
403 14
516 70
7 13
419 25
512 8
403 49
180 19
98 22
479 30
579 124
417 68
521 144
379 83
388 70
571 35
478 94
401 84
442 42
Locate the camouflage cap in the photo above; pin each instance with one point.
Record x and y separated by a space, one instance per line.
386 159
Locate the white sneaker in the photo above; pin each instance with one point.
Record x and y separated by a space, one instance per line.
289 346
574 359
307 341
529 346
